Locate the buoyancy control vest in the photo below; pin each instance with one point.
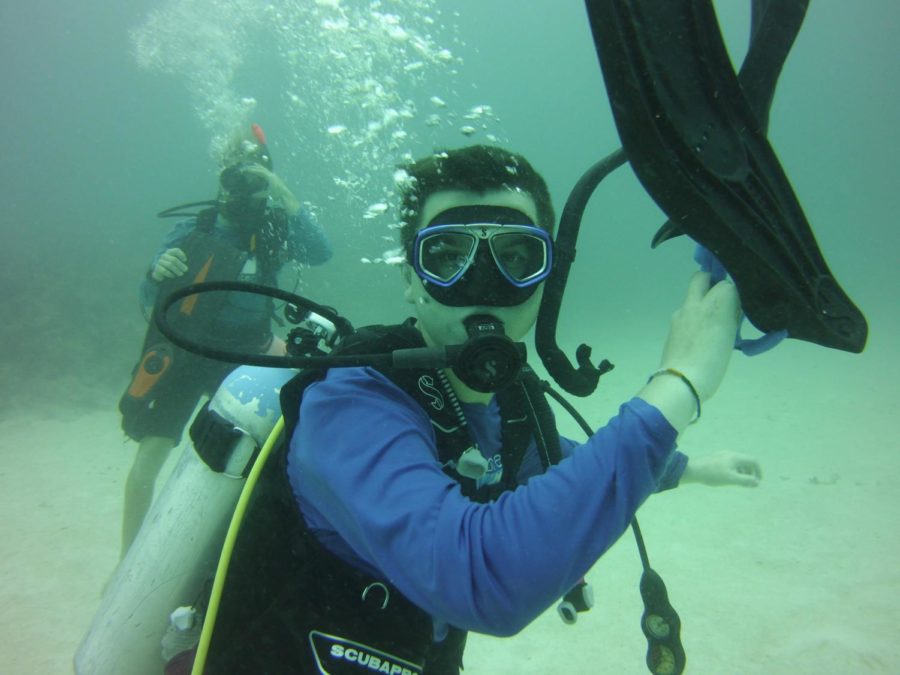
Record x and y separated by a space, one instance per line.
290 606
209 258
206 316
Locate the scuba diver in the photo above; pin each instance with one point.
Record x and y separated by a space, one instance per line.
253 228
408 506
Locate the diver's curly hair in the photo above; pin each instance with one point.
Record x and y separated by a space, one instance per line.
476 168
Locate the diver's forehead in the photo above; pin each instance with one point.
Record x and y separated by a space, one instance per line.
448 199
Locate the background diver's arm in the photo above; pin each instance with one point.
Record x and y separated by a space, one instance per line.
308 239
309 244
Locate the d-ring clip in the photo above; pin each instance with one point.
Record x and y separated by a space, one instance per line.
378 584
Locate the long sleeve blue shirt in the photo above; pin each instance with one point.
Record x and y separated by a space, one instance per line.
364 469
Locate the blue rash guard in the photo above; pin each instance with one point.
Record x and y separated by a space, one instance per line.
307 238
363 467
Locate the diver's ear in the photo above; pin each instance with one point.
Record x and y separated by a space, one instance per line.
409 292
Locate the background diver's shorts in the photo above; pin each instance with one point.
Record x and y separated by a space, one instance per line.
165 408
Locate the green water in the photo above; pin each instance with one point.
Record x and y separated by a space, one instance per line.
114 111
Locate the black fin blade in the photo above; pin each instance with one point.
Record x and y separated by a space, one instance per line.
700 151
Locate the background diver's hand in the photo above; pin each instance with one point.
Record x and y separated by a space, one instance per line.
722 468
276 189
172 263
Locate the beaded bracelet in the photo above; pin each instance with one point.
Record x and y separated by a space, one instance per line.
683 378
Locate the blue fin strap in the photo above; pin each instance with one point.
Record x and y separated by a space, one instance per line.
751 347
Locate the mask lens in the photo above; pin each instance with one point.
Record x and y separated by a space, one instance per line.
445 256
521 256
238 181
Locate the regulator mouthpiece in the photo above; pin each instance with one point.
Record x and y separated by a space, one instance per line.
488 361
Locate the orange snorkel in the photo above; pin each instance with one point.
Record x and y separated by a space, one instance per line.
260 136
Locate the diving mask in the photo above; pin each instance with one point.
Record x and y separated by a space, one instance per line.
482 255
243 198
239 180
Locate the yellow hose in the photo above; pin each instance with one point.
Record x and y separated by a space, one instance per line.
215 598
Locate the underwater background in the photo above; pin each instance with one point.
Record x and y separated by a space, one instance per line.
112 112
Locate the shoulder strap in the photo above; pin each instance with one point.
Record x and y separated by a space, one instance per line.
526 414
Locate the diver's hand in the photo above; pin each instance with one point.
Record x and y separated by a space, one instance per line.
700 344
276 189
701 337
171 264
722 468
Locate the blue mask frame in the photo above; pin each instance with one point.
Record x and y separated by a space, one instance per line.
469 238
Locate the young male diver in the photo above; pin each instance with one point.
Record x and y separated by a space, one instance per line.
411 505
249 232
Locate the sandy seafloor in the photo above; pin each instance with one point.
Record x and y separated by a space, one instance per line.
797 576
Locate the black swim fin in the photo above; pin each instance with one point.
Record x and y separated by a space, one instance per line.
773 28
695 136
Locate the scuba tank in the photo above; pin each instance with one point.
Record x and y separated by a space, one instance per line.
173 558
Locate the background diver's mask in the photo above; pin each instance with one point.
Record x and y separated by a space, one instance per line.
244 197
245 202
482 255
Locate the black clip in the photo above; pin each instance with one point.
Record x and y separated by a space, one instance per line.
579 599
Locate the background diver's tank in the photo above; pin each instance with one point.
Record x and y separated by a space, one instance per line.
173 559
